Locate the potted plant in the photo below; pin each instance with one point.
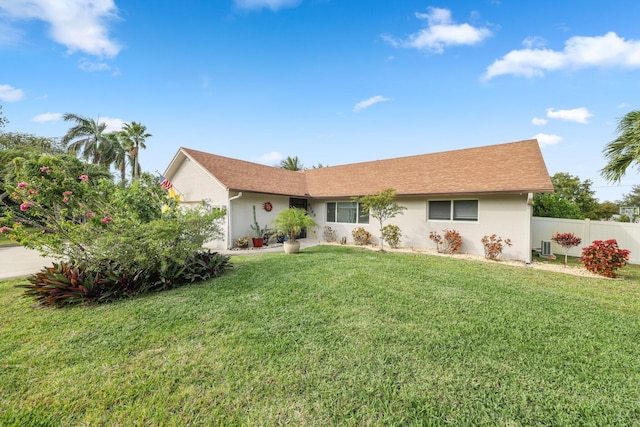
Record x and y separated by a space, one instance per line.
290 222
242 242
258 232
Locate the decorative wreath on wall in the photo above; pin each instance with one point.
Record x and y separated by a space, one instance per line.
267 206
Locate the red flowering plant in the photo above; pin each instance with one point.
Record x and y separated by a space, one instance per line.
87 220
604 257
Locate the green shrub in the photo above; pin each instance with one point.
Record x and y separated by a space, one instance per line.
604 257
391 234
361 236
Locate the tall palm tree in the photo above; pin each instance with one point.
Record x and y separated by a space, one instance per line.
623 151
133 137
87 135
291 163
120 154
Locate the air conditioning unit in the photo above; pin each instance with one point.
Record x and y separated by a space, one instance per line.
545 248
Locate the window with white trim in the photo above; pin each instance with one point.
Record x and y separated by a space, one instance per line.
347 212
456 210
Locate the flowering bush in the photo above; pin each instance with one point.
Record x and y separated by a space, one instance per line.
604 257
493 246
92 223
449 244
567 241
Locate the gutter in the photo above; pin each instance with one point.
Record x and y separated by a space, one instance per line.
229 216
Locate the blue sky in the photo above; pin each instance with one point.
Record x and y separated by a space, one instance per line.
329 81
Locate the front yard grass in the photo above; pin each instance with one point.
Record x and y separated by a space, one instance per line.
333 336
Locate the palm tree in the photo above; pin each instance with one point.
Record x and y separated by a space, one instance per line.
291 163
120 154
88 135
133 137
623 151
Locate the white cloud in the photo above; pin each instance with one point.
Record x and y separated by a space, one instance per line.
91 67
579 52
268 4
535 41
369 102
47 117
271 158
578 115
545 139
113 125
440 32
10 93
623 105
80 25
538 121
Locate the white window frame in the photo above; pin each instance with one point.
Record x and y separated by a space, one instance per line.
452 210
359 218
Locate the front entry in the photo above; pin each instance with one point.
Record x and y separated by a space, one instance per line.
300 204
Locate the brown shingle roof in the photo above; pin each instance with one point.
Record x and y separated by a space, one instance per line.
516 167
238 175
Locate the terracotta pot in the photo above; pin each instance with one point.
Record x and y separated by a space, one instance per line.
291 247
257 242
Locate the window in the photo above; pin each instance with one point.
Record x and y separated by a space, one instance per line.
459 210
346 212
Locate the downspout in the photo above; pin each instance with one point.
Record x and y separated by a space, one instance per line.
229 216
530 218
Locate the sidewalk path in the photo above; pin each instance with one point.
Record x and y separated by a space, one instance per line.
16 261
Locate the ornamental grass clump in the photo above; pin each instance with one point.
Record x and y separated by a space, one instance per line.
604 257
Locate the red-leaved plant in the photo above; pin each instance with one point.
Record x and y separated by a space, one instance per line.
604 257
449 244
493 246
567 241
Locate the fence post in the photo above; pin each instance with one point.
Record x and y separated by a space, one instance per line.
587 232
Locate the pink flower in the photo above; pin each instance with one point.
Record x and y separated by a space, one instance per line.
67 193
25 206
84 178
22 184
106 220
45 169
90 214
4 229
32 191
65 200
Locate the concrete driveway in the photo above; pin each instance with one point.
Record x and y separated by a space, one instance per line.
16 261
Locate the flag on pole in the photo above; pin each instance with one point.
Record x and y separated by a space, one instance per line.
166 184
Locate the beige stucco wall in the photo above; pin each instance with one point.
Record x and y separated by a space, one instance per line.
242 212
507 216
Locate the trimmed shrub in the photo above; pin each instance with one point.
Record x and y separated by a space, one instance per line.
449 244
604 257
493 246
391 234
361 236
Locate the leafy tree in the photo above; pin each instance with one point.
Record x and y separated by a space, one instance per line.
3 120
133 137
291 163
555 206
89 220
624 151
633 197
381 206
606 210
571 188
88 137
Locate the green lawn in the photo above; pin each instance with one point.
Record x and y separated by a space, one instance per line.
333 336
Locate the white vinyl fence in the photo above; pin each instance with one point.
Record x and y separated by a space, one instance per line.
627 234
